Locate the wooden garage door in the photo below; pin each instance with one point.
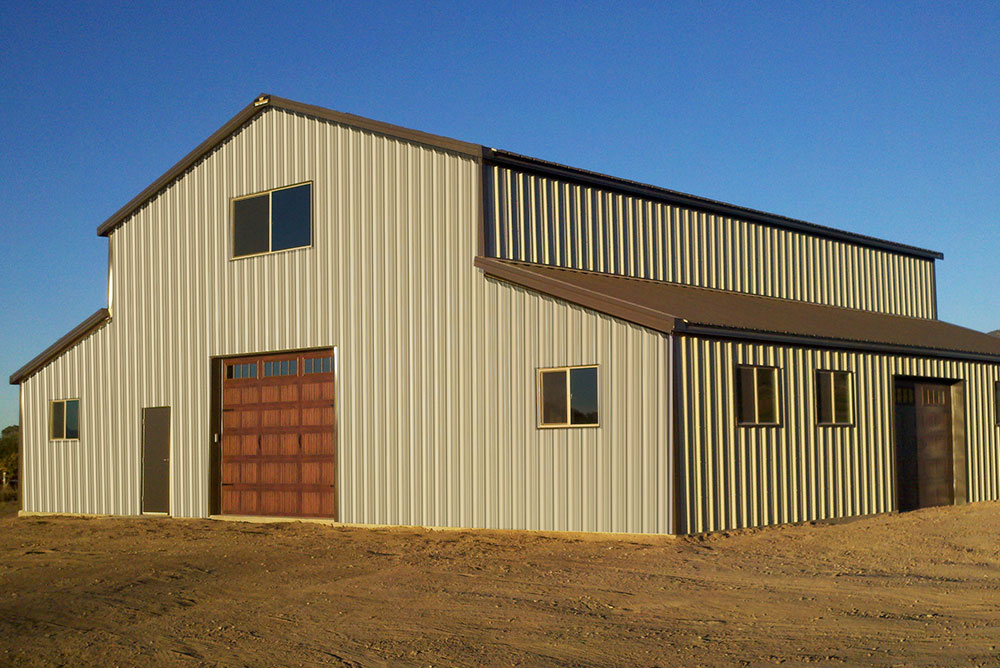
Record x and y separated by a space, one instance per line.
279 435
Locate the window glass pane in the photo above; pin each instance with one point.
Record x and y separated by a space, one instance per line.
841 397
745 384
290 217
583 395
253 369
767 397
327 364
554 397
73 419
824 400
250 228
229 371
58 422
309 365
293 367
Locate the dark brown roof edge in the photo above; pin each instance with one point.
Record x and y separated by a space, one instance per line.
258 105
716 331
524 162
597 301
71 338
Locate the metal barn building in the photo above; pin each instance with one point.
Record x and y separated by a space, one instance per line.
318 315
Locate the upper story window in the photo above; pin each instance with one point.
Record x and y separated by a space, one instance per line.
567 397
833 397
64 420
757 395
275 220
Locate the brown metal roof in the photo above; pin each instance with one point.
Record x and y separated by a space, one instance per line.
261 103
673 308
59 347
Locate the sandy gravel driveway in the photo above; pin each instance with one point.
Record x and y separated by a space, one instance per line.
916 589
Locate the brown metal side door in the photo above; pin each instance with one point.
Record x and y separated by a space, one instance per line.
934 457
156 460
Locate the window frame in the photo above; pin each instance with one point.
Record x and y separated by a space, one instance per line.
851 398
569 400
996 403
270 222
778 405
249 365
79 420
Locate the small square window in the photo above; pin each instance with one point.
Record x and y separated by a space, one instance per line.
757 395
279 219
568 397
64 420
834 398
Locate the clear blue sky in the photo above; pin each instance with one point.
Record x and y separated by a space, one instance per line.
880 118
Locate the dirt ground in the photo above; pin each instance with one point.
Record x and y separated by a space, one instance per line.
919 589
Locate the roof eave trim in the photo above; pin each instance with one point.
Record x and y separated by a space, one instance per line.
66 342
597 301
378 127
505 158
216 138
246 114
695 329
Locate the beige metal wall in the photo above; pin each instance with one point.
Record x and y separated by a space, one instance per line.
734 477
436 363
540 219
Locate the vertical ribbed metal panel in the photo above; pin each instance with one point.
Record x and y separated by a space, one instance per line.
733 477
436 364
539 219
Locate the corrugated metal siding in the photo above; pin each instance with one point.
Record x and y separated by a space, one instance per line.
733 477
436 401
540 219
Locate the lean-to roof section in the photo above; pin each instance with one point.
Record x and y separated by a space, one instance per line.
71 338
247 114
675 308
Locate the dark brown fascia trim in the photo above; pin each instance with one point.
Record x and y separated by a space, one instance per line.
712 331
261 103
619 308
574 174
416 136
60 346
217 137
